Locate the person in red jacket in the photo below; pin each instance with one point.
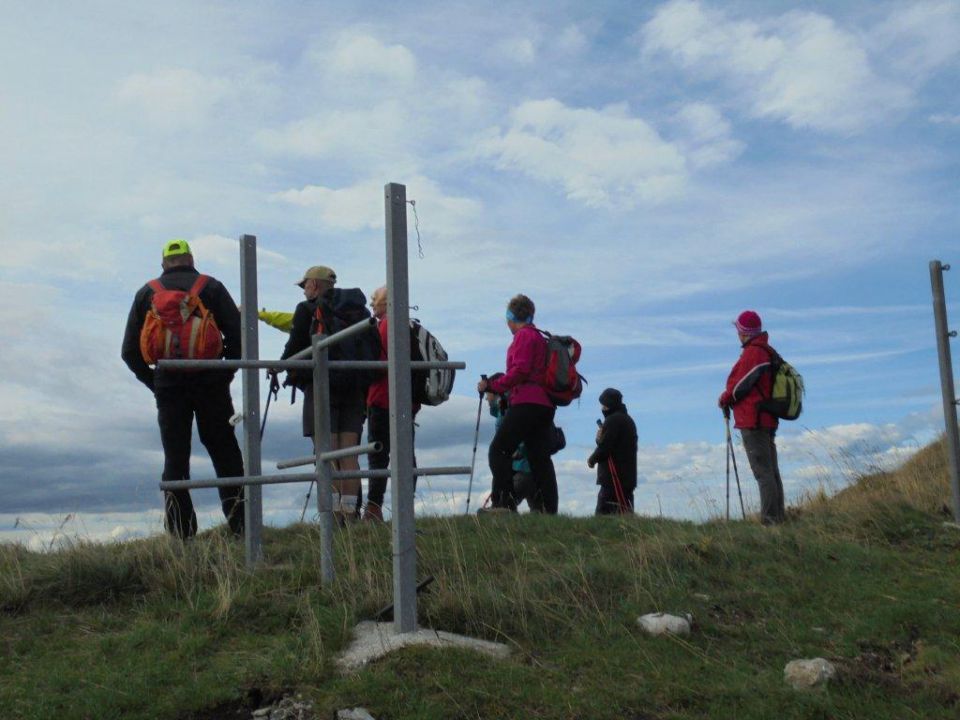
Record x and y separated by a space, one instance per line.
529 418
378 416
750 383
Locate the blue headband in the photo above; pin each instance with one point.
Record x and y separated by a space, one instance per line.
513 318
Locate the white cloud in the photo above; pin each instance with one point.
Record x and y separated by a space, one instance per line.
370 133
572 41
799 68
602 158
708 138
520 50
360 206
358 55
919 38
225 252
945 119
172 98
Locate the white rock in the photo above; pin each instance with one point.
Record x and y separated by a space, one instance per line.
809 673
661 623
355 714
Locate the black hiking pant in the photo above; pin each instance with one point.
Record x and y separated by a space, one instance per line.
761 447
607 503
531 425
378 429
212 405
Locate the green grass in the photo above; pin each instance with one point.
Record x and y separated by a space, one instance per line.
153 629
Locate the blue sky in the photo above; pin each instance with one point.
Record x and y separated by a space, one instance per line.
644 171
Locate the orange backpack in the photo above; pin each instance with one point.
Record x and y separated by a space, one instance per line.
178 326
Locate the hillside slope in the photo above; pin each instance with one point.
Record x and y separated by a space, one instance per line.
153 629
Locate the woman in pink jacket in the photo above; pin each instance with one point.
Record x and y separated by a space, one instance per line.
529 418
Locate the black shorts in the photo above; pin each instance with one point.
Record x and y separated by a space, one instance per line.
347 411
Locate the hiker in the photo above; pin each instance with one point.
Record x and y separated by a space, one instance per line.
378 415
529 416
346 390
524 486
615 457
180 395
749 383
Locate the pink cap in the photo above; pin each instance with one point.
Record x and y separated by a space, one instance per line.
748 323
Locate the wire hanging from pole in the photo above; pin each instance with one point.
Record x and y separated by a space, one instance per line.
416 226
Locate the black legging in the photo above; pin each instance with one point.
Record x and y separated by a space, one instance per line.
533 426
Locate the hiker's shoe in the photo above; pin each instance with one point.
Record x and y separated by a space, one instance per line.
372 513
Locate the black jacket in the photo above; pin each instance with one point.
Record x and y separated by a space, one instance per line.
618 440
215 297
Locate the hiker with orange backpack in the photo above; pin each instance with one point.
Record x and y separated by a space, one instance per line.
186 315
615 457
529 417
749 386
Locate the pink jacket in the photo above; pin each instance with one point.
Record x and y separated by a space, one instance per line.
526 368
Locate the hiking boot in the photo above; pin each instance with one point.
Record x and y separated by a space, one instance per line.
372 513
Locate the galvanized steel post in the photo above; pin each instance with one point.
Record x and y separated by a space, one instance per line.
250 350
401 412
321 445
946 381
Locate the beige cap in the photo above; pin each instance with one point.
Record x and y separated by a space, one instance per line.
318 272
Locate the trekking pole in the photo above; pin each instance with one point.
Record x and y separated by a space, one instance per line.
736 474
271 395
726 417
476 439
617 487
306 501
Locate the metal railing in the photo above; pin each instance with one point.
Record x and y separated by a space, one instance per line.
398 366
950 401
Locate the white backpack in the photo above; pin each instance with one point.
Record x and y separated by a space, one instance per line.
430 387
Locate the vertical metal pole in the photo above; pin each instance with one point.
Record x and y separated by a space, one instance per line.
401 412
946 381
250 350
321 444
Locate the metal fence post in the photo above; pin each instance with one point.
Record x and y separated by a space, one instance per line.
401 412
250 350
321 444
946 380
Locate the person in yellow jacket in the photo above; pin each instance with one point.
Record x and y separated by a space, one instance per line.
282 321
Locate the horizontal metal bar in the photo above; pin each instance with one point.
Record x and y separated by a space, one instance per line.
227 481
331 455
300 364
234 364
382 365
419 472
336 337
302 477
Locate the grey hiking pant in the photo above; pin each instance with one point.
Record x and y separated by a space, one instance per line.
761 447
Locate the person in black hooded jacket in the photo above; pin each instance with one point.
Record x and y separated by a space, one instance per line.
615 456
182 396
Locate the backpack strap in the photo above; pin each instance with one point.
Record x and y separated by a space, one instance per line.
156 285
198 285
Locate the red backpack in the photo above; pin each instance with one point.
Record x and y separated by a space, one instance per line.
178 326
562 381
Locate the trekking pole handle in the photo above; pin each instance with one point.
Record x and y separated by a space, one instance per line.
484 378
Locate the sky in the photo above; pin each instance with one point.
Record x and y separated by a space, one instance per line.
643 171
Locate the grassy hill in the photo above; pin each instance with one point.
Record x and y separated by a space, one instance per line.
869 579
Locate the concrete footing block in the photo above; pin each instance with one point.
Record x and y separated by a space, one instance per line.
373 640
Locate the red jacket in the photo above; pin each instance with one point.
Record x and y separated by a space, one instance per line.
378 394
750 382
526 369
